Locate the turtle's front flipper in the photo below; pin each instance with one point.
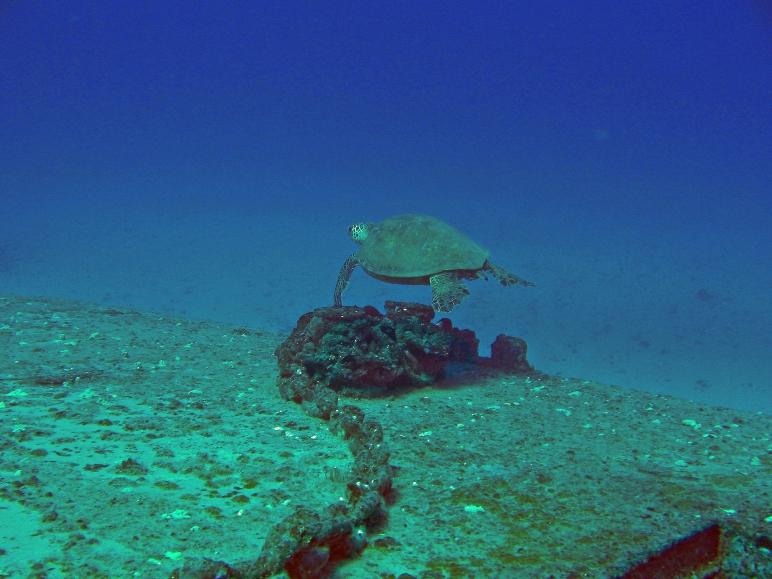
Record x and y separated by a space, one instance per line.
447 291
343 277
505 278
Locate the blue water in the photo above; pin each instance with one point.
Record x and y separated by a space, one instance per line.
205 159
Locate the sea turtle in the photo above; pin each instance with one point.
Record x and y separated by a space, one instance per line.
418 249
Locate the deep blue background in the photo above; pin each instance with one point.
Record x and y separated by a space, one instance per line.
204 159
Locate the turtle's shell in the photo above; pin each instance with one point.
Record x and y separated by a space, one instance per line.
416 246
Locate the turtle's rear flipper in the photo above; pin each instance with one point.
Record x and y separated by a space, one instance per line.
447 291
505 278
343 277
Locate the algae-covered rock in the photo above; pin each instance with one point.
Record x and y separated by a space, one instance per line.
359 350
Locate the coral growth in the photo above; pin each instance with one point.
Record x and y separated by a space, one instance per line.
362 351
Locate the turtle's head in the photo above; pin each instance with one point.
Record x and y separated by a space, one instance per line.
359 232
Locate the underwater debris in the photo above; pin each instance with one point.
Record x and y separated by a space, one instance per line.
717 550
697 553
360 351
508 353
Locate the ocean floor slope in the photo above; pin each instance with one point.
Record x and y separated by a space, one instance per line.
132 443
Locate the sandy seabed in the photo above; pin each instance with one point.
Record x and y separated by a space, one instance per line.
133 442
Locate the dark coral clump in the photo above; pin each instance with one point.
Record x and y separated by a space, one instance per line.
359 350
353 347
